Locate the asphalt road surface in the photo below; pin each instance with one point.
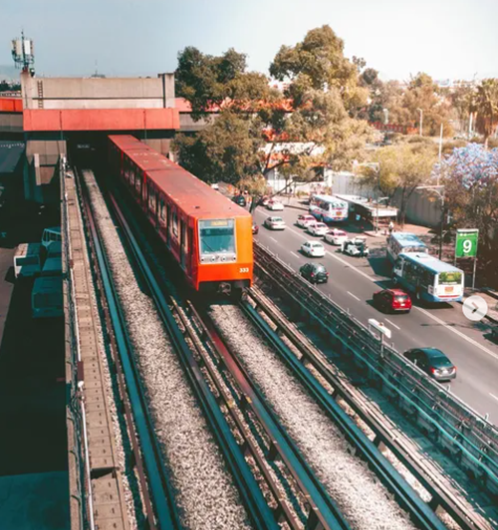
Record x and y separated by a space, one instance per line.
351 284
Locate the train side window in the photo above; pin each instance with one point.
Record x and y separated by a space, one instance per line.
162 212
152 199
174 224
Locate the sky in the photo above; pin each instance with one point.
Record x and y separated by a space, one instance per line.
448 39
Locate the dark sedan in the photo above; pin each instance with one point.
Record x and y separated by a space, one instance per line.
314 273
433 362
240 200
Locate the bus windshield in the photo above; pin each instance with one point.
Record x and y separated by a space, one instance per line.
450 278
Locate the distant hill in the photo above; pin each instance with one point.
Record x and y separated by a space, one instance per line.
9 72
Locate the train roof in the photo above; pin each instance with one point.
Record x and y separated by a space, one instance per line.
407 239
430 262
192 195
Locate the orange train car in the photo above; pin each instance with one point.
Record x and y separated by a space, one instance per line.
207 234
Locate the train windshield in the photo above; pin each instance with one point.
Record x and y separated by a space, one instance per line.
217 236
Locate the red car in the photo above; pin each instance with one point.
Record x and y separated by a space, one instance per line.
255 228
392 300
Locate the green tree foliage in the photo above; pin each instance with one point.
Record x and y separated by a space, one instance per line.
402 167
422 93
486 104
463 97
227 151
318 63
207 81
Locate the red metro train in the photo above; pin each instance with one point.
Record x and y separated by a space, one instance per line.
207 234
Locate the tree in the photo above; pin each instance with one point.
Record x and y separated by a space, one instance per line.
318 63
402 167
463 100
470 177
228 150
486 104
423 94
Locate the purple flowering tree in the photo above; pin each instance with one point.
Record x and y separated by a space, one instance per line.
470 178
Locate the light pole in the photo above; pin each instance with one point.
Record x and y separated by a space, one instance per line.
439 189
376 167
421 120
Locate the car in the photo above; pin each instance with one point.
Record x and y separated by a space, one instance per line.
274 223
240 200
433 362
314 273
264 201
355 247
215 186
275 205
313 249
335 237
304 220
392 300
317 229
255 228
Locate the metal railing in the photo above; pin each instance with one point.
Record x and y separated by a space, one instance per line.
468 438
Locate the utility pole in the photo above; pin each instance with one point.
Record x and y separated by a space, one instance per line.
440 152
421 121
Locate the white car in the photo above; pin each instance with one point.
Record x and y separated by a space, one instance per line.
313 249
275 206
356 247
274 223
304 220
336 237
317 229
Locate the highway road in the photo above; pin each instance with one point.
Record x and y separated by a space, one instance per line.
351 284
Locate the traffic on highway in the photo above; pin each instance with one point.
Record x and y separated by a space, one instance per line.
354 279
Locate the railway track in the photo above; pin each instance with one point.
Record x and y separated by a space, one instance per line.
316 510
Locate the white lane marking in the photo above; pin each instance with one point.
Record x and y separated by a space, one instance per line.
436 319
459 333
354 296
273 239
493 396
294 254
392 323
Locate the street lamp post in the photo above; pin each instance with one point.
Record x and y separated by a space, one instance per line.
421 121
439 189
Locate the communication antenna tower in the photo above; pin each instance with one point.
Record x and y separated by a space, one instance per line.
23 54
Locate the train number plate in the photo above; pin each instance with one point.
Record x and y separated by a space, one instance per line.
243 269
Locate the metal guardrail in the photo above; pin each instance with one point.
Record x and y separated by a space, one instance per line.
469 439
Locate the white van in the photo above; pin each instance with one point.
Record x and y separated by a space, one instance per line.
46 298
51 234
27 260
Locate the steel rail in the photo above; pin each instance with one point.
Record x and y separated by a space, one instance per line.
323 510
196 334
156 479
439 492
252 497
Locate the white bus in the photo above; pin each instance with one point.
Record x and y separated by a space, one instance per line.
429 278
27 260
328 208
399 242
46 297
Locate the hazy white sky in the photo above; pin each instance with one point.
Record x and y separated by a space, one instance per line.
445 38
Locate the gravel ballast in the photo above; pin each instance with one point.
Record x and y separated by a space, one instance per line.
205 492
365 503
